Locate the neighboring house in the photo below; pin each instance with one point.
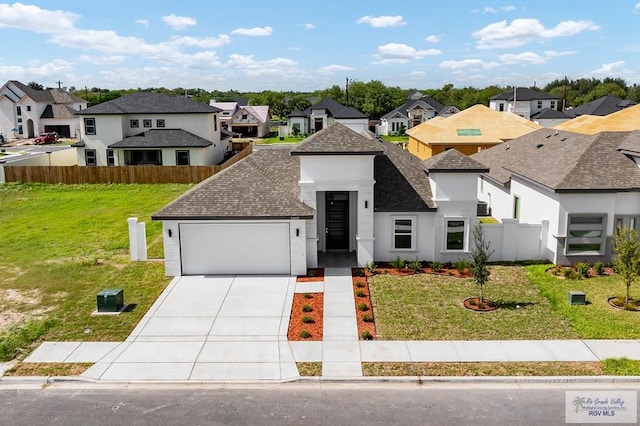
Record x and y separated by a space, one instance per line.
415 111
578 187
602 106
549 117
324 114
150 129
26 112
627 119
278 210
246 121
523 102
468 131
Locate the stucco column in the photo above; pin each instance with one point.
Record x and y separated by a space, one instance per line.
364 237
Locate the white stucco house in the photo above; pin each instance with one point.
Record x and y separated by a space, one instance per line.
414 112
278 211
523 101
26 112
244 120
324 114
577 188
150 129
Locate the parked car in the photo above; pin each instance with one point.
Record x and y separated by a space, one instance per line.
45 138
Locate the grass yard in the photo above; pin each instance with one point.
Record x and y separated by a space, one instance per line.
276 139
396 139
62 244
429 307
597 319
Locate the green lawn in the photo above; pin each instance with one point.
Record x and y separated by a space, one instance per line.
267 141
63 244
404 138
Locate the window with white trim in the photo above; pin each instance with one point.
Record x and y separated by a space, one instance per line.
146 122
90 126
585 234
111 158
160 122
90 157
182 158
134 123
404 233
455 234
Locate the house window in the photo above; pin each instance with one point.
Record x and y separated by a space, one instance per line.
146 123
630 222
19 119
404 233
215 123
111 158
585 234
90 157
244 116
553 104
28 107
501 107
455 234
539 104
20 129
134 123
182 158
90 126
160 122
19 111
143 157
516 207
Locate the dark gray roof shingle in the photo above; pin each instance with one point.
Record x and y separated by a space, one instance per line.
163 138
565 161
523 94
334 109
424 101
149 103
337 139
35 94
601 106
58 111
549 114
453 161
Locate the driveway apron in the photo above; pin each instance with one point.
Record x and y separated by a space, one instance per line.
208 328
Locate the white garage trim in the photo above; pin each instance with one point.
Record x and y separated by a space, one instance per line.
235 248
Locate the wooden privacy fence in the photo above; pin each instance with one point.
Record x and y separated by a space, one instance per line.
117 174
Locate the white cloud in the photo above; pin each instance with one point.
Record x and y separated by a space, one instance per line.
334 68
206 43
33 18
178 22
382 21
468 64
249 66
490 9
36 69
143 22
399 53
418 74
636 8
253 32
610 69
531 57
102 60
433 38
521 31
293 48
307 26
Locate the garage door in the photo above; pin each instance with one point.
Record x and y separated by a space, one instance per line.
246 248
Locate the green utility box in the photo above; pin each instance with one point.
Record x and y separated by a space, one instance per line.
110 300
577 298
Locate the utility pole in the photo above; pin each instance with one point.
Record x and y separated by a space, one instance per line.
347 91
59 84
564 98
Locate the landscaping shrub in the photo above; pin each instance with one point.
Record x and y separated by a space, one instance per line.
415 266
436 266
370 267
367 318
307 308
598 268
359 284
366 335
307 319
569 274
398 262
363 306
461 265
361 293
582 270
305 334
21 335
308 296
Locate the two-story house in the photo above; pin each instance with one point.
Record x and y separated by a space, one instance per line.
150 129
244 120
523 102
26 112
414 112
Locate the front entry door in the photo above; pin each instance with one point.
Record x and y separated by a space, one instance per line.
337 220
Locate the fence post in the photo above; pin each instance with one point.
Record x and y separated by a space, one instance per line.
2 179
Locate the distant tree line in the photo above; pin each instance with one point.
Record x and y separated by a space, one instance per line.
375 99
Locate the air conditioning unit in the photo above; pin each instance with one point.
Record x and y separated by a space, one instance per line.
483 209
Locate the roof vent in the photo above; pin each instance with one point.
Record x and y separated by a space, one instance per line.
563 139
556 134
506 146
540 145
548 136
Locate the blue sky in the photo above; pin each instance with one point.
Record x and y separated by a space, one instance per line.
307 45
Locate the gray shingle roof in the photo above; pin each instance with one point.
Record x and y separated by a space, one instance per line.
263 185
565 161
601 106
58 111
523 94
550 113
334 109
453 161
61 97
149 103
404 108
36 95
337 139
163 138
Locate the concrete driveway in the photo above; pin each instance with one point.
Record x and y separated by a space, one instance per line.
209 328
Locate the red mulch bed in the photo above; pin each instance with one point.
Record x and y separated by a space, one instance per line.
295 323
473 302
313 275
558 271
446 271
362 295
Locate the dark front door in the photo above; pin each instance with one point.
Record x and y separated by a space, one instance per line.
337 220
317 125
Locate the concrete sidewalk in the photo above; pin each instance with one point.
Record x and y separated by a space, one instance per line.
234 329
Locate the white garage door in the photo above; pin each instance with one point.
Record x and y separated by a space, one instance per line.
246 248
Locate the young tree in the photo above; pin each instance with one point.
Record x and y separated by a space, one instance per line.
627 260
480 255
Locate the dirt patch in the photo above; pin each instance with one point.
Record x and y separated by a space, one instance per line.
17 306
48 369
306 316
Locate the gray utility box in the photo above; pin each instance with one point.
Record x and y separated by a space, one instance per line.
110 300
577 298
